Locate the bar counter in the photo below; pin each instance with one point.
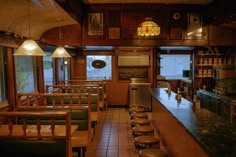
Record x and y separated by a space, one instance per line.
190 132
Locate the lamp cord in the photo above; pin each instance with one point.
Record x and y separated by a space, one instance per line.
59 19
29 16
60 35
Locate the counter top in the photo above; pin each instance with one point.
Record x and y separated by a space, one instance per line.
215 135
225 97
184 79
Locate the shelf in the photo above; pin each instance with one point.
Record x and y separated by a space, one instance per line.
224 66
209 54
202 65
205 76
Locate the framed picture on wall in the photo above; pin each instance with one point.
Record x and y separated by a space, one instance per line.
114 32
95 24
195 28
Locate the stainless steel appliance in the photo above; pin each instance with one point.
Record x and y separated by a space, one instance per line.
139 94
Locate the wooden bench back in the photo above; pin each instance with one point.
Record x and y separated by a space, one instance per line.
27 140
100 83
57 100
93 89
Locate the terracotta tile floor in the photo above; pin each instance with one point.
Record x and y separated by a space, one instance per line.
113 136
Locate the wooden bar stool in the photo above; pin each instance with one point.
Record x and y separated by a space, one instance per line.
152 153
144 142
139 115
139 122
142 130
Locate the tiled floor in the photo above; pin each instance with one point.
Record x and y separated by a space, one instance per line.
113 136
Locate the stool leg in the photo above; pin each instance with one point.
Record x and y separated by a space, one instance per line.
83 151
77 149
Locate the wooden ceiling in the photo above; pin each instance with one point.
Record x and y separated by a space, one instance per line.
148 1
47 14
31 18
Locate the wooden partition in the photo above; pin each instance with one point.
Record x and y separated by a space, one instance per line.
88 84
22 138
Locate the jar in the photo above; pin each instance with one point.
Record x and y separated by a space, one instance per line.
209 61
205 61
199 72
219 60
201 61
215 61
209 72
204 72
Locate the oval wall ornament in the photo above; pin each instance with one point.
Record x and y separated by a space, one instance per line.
98 64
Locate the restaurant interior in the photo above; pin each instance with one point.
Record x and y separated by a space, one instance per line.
118 78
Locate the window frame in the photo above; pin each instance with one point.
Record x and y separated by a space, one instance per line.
34 72
4 80
98 77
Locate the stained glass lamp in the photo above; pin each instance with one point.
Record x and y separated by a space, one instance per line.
148 28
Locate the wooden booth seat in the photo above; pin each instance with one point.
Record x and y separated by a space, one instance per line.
25 139
79 89
79 113
102 89
92 89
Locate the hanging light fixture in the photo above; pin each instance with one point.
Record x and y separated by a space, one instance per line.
148 28
29 46
60 51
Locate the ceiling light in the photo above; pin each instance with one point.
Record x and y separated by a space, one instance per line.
29 46
60 52
148 28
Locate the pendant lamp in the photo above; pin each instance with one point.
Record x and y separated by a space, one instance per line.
60 51
148 28
29 46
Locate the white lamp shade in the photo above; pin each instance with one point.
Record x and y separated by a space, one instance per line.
29 48
60 52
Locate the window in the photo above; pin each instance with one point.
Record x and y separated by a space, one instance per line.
67 68
26 76
173 65
99 67
48 69
3 80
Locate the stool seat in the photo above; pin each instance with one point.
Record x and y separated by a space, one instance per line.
142 130
144 142
136 110
138 106
139 122
152 153
139 115
147 140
